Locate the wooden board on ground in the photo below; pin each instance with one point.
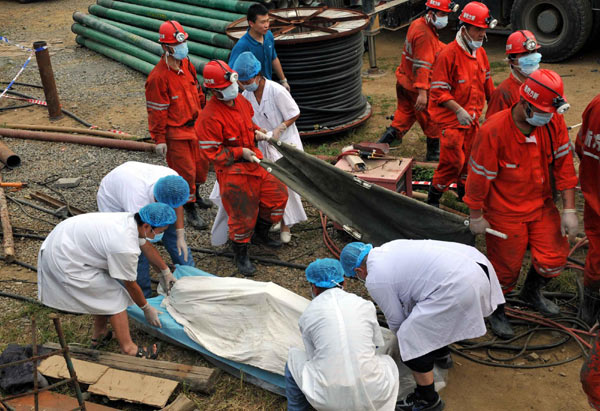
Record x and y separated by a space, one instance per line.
181 403
52 401
201 379
133 387
87 372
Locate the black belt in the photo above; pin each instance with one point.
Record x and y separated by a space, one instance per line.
190 123
485 270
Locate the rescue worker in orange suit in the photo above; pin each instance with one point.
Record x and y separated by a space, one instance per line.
253 198
173 100
523 58
587 146
460 85
421 47
516 155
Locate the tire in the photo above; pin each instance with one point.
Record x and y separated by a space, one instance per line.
561 27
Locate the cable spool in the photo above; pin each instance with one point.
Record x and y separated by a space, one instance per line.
321 52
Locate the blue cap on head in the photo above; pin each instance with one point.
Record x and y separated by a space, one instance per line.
353 255
172 190
158 215
247 66
325 273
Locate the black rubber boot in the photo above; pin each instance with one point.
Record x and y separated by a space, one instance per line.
203 203
193 217
244 266
261 234
460 191
434 196
532 293
414 402
390 135
500 325
433 149
590 306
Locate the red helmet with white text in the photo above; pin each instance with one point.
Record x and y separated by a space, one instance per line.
477 14
217 74
447 6
521 41
171 32
544 89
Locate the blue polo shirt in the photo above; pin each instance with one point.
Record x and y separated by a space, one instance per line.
264 52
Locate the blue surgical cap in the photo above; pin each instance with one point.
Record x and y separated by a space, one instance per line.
158 215
247 66
353 255
325 273
172 190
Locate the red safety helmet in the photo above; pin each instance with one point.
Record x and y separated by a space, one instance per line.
477 14
217 74
521 41
544 89
171 32
447 6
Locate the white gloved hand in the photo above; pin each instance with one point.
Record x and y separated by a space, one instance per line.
261 136
161 149
569 223
478 225
182 247
286 85
463 117
151 315
167 280
278 130
248 154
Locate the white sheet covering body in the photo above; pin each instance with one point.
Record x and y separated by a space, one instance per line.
340 369
130 187
82 259
433 293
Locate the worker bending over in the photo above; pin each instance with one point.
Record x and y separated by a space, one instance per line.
432 293
133 185
339 368
520 157
260 41
276 111
460 85
173 100
253 198
421 47
87 265
523 59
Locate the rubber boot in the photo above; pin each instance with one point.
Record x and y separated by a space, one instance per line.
203 203
261 234
390 135
532 293
500 324
434 196
433 149
244 266
590 306
193 217
460 191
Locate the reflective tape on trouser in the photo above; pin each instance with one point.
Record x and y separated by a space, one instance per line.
455 149
406 115
185 157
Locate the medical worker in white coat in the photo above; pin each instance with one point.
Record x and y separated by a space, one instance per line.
132 185
87 265
432 293
339 369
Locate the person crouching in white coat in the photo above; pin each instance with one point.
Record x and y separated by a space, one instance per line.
88 265
340 369
432 293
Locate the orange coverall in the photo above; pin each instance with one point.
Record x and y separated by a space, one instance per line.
505 96
460 76
588 148
247 190
173 101
421 47
509 178
590 375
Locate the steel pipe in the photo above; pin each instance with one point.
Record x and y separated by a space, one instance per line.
8 157
131 61
76 130
47 75
188 9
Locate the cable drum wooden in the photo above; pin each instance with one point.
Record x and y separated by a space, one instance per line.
321 52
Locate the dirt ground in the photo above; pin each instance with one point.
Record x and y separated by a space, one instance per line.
110 95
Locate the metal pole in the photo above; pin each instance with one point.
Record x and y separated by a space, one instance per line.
369 7
35 365
47 75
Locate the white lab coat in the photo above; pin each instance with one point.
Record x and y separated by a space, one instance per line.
339 369
82 259
433 293
129 187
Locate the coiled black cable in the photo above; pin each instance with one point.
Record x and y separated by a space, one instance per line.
325 78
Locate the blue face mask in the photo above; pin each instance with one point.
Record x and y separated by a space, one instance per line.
252 87
180 51
538 119
529 63
230 93
157 237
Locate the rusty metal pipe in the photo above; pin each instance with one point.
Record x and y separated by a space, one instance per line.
76 139
47 75
77 130
8 157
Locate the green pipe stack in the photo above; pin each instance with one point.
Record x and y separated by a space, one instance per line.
127 30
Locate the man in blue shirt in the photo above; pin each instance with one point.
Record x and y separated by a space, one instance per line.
260 41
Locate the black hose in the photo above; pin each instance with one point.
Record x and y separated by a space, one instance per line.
16 83
255 258
21 298
16 107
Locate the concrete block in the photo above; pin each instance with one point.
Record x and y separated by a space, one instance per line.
68 182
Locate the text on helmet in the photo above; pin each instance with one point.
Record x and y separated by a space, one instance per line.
468 16
435 3
531 93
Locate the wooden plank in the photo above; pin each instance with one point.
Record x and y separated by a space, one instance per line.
7 234
197 378
49 400
87 372
181 403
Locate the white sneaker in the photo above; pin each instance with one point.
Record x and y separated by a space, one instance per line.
275 227
286 237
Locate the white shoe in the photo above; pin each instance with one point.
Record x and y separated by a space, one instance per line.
275 227
286 237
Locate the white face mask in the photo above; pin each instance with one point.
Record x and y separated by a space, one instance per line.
472 43
529 63
230 92
440 22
